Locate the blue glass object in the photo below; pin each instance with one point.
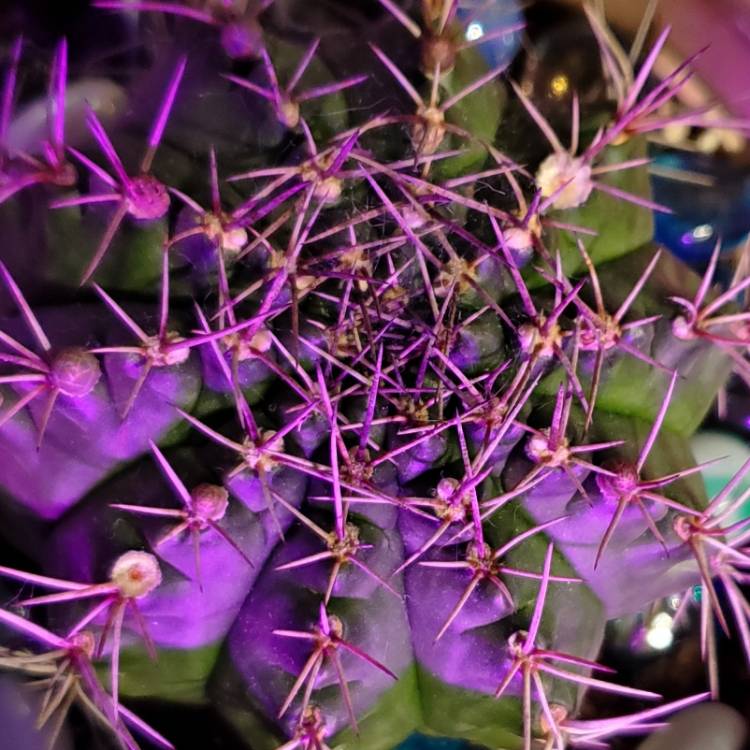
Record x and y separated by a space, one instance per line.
420 742
710 198
502 13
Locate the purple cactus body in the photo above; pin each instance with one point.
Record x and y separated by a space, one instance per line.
185 612
612 580
251 372
278 600
414 461
472 653
288 483
164 391
480 434
86 437
310 433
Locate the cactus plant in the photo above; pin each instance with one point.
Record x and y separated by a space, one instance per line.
362 403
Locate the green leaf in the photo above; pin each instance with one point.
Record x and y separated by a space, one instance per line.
132 262
391 720
452 712
631 387
421 702
178 675
479 114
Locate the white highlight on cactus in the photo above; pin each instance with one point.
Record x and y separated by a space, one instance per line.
474 31
703 232
659 635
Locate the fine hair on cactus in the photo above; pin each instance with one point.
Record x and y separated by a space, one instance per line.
346 391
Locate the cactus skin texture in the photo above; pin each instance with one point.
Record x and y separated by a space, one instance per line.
365 398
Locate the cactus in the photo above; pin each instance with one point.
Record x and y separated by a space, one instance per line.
345 391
